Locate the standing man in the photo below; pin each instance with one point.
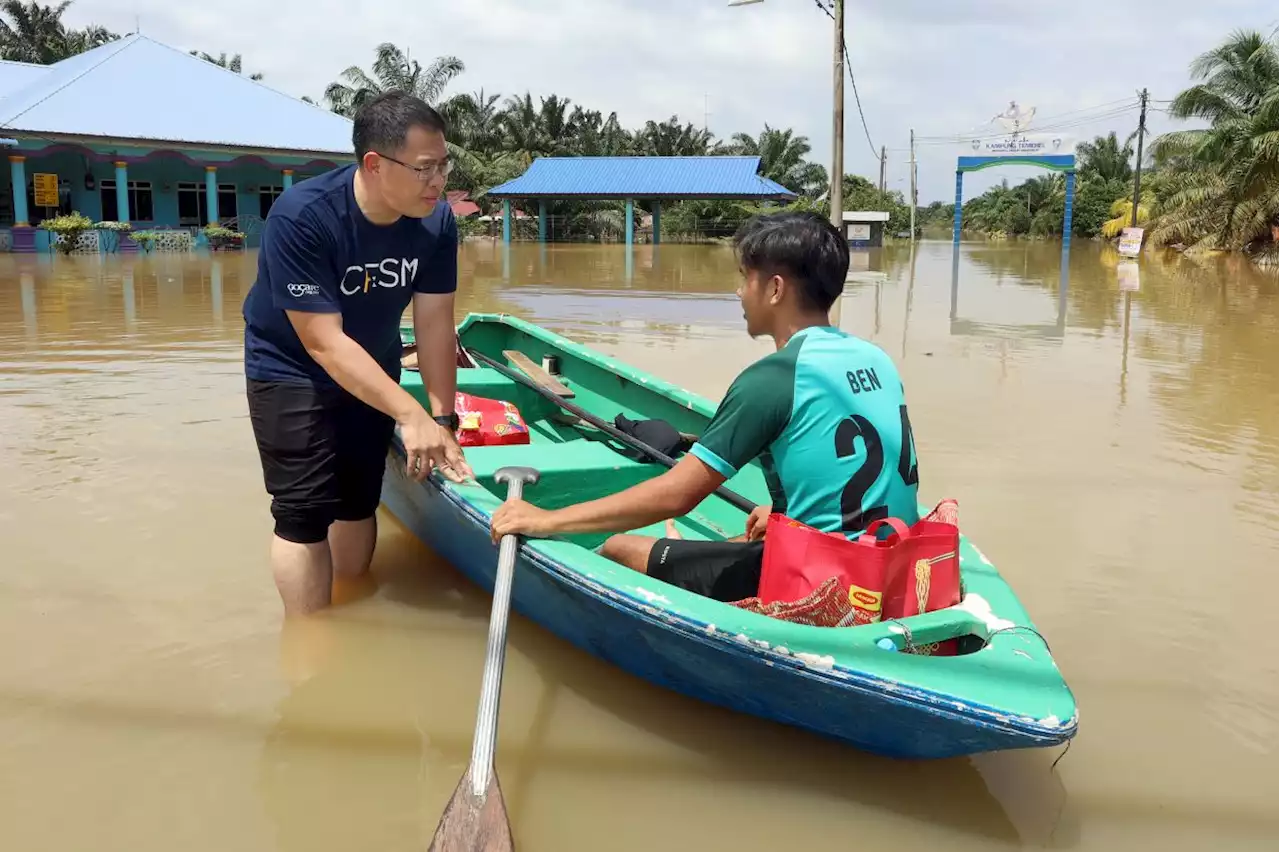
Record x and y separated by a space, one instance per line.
343 255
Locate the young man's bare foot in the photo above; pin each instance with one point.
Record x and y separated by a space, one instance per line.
672 532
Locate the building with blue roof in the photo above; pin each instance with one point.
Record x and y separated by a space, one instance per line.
137 131
630 178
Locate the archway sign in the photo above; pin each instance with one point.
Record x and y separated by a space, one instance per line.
1045 150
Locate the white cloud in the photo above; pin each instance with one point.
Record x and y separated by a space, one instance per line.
939 67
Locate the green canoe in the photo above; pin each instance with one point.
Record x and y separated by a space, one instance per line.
1003 690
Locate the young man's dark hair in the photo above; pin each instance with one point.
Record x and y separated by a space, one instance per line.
803 247
382 124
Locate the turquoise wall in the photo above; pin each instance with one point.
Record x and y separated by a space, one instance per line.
163 169
164 174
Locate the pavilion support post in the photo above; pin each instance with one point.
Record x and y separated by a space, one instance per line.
18 171
506 221
959 209
542 221
657 221
287 178
630 223
122 192
210 191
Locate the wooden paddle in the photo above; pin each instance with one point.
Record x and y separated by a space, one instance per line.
475 820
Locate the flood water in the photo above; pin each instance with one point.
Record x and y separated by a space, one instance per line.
1113 452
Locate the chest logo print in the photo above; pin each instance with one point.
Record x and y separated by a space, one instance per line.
388 273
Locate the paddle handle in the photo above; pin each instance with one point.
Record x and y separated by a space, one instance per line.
482 747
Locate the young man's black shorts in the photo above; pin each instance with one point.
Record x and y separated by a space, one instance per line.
723 570
323 454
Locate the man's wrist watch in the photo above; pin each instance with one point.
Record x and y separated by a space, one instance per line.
448 421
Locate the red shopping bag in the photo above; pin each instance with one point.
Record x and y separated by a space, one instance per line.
487 422
922 571
798 559
914 569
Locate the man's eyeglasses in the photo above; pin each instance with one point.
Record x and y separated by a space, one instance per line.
425 173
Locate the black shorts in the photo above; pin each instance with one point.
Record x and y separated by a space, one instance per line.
723 570
323 454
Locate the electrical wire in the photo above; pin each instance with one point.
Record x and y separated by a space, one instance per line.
848 64
1082 121
1083 114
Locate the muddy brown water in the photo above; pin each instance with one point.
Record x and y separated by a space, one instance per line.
1113 451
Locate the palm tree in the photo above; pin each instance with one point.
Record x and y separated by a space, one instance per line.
1224 189
392 69
1106 158
782 159
232 64
33 33
673 139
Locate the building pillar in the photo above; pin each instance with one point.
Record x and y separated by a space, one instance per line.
1066 212
542 221
630 224
506 221
18 169
287 177
955 228
657 221
211 192
122 192
24 236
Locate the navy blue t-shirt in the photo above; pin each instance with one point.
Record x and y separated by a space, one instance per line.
319 253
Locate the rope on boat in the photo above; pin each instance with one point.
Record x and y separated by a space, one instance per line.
1018 627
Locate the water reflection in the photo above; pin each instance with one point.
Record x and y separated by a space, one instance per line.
965 326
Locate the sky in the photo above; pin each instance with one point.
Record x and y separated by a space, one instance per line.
943 68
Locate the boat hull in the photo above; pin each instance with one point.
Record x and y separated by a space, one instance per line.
871 714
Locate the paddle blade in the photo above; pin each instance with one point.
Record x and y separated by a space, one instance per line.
471 824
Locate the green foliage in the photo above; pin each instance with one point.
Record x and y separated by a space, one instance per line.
112 225
68 228
1218 186
493 139
146 240
234 64
30 32
218 232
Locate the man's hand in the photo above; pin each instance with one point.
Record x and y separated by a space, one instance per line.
429 445
757 521
516 517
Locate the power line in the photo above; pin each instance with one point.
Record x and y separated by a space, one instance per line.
1082 121
1058 120
848 64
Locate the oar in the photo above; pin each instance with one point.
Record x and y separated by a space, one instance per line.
475 820
731 496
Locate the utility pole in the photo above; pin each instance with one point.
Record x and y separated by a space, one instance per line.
1137 172
882 162
913 184
837 147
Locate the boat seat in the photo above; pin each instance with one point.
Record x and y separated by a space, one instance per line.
473 380
553 460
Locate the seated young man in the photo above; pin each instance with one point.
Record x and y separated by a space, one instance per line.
825 414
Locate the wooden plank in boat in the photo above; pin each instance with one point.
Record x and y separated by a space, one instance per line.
536 373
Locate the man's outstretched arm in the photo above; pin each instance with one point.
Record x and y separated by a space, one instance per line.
676 492
434 332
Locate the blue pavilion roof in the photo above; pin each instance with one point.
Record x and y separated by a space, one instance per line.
137 88
643 177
